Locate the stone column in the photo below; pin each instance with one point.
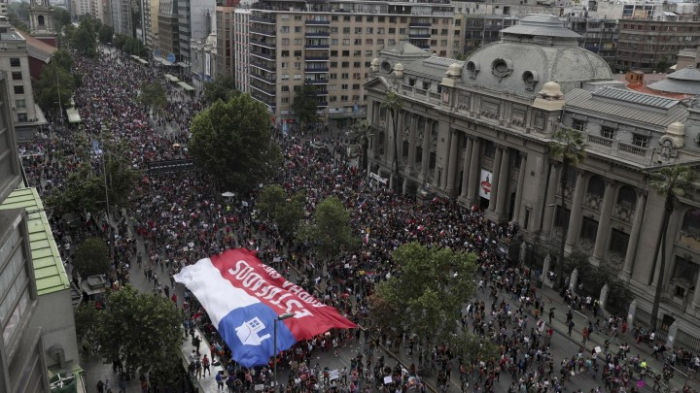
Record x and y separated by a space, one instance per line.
603 233
412 144
603 298
550 199
503 183
465 168
639 208
519 189
632 312
474 172
671 337
495 178
425 160
696 294
573 281
453 141
575 216
546 267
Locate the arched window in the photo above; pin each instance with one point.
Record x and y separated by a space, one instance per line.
691 223
627 197
40 19
596 186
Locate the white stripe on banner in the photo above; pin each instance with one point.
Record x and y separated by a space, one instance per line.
215 293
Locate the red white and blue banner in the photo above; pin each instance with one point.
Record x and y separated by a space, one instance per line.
244 298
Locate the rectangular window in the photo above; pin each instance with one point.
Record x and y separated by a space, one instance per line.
357 64
285 88
21 104
22 117
640 140
346 41
19 89
578 125
334 64
285 100
358 30
346 53
607 132
346 30
618 242
285 41
346 64
14 61
16 76
356 86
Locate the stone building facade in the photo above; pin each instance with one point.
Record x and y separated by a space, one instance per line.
479 131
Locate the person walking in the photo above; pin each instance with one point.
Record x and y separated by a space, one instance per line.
205 364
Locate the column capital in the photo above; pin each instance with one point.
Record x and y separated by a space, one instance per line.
609 182
641 192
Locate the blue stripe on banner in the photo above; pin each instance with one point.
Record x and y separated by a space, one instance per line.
249 332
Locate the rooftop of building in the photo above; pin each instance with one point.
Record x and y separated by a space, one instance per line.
540 26
49 272
432 67
685 81
38 49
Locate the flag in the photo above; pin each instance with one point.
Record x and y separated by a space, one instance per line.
244 298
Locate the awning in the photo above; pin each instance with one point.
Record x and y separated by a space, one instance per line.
162 61
185 86
181 64
171 78
142 61
134 57
73 115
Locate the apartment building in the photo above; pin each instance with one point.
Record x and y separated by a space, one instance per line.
168 30
600 36
330 44
93 8
195 18
241 47
480 30
653 45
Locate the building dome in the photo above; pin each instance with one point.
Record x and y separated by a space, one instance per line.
685 81
538 49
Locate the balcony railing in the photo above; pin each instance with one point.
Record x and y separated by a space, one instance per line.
264 66
615 148
264 99
317 22
261 19
320 92
265 90
267 79
316 70
317 58
419 36
268 56
317 81
317 34
419 24
269 33
317 46
265 44
598 140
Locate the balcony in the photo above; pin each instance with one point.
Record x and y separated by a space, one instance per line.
260 19
317 34
418 24
316 82
321 104
266 79
423 46
317 46
317 58
316 70
268 33
318 22
263 66
266 56
266 90
264 44
614 148
264 99
419 36
321 92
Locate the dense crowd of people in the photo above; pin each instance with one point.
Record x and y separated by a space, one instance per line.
180 218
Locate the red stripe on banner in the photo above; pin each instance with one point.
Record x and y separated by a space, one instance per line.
311 317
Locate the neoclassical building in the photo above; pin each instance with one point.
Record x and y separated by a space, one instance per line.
479 131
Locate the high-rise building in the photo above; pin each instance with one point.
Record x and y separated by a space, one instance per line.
93 8
241 46
330 44
224 37
195 19
168 30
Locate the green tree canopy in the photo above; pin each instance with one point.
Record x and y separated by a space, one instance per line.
61 18
232 142
85 189
284 209
84 39
305 104
142 330
154 95
92 257
55 84
223 87
18 15
63 59
105 34
330 231
425 297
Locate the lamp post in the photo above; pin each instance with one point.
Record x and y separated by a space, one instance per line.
282 317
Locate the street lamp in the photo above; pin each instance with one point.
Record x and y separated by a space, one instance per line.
282 317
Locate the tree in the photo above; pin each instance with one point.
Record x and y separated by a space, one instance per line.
305 104
360 133
568 146
143 331
92 257
670 183
105 34
393 103
330 231
426 294
154 96
232 142
63 59
223 87
284 209
86 324
89 188
61 18
84 39
18 15
55 85
471 348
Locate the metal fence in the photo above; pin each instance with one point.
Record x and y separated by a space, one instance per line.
687 341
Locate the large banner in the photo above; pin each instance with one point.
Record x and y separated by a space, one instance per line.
485 184
244 298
